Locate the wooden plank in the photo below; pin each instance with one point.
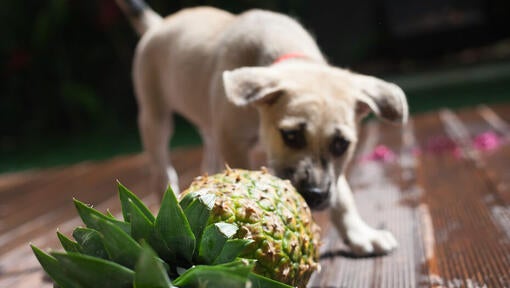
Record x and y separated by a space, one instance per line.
20 269
51 204
468 244
503 111
29 279
10 182
76 181
19 264
493 163
461 135
402 268
496 160
494 116
426 130
486 137
46 203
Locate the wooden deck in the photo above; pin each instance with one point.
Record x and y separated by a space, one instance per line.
442 186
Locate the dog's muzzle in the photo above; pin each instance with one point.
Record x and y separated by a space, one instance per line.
316 193
317 198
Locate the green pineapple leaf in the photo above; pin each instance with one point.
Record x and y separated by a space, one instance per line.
141 226
188 198
143 230
120 246
193 196
198 213
88 271
86 213
68 244
125 195
149 271
213 240
173 227
232 275
53 268
231 250
259 281
90 242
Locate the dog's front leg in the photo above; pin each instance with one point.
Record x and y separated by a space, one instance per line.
362 239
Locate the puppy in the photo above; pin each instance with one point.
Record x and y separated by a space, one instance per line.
258 82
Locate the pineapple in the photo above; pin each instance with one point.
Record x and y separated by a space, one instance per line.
268 211
229 230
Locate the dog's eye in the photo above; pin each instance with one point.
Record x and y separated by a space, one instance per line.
294 138
338 146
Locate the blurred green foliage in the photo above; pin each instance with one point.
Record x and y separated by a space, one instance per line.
66 70
66 73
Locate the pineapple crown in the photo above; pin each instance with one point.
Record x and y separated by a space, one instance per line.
176 248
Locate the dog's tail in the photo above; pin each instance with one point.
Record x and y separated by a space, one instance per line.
141 16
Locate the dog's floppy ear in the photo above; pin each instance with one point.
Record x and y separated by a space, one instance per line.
252 85
385 99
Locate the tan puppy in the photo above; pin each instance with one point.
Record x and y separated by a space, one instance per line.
258 80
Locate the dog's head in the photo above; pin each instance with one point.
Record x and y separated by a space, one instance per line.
309 115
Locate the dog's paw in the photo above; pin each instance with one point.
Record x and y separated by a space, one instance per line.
365 241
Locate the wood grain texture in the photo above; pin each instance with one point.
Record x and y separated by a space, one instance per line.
446 200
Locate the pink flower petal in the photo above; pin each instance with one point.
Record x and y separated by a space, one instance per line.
381 153
487 141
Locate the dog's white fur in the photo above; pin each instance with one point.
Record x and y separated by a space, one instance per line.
217 70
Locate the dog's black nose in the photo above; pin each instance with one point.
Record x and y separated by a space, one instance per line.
315 197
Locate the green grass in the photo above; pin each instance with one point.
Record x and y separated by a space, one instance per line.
457 87
97 146
62 151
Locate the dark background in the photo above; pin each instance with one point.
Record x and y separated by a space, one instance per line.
66 92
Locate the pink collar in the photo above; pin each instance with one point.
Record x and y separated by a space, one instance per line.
288 56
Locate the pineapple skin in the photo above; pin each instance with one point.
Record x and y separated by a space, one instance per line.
271 212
